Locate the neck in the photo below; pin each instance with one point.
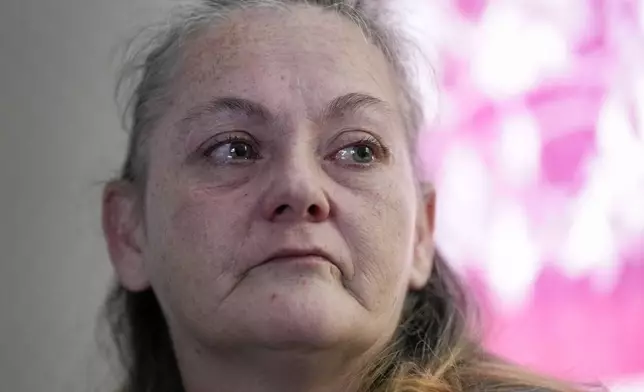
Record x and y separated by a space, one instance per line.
269 369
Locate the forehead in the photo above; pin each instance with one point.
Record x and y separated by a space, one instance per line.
296 60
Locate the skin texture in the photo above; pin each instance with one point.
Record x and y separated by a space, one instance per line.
295 177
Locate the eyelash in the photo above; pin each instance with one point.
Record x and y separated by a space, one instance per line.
230 139
380 151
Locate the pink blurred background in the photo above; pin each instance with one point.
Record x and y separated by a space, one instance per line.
536 143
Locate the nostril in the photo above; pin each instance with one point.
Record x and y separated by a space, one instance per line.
280 210
314 210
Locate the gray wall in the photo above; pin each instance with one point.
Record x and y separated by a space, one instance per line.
60 137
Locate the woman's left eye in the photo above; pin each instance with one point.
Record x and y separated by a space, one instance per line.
363 152
359 153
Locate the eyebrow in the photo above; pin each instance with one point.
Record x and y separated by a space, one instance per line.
338 107
352 103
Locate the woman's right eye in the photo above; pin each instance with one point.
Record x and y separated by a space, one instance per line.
233 151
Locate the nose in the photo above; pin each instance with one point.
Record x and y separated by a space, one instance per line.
296 194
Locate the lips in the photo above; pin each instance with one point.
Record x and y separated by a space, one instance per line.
284 254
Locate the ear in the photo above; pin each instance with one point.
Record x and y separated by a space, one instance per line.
124 232
424 247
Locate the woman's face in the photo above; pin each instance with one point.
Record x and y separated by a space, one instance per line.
280 208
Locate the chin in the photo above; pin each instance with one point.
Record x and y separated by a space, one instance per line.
300 312
312 314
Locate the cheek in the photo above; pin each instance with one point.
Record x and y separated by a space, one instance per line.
382 239
191 248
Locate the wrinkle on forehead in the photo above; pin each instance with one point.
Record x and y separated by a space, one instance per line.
244 36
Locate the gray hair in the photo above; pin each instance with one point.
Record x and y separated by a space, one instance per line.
154 56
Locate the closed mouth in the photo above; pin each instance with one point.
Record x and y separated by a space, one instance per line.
295 255
286 255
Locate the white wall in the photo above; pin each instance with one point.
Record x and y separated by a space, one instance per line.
60 137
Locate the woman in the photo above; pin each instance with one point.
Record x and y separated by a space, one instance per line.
270 231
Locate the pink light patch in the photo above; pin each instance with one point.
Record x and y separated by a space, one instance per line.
562 159
569 325
471 9
571 330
